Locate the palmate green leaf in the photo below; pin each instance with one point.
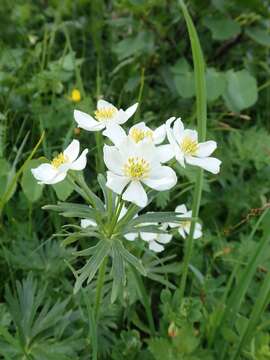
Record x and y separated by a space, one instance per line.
118 272
215 84
147 228
74 237
131 259
158 217
63 189
260 35
89 270
222 28
241 91
72 210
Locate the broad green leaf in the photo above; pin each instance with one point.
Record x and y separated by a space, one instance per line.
241 91
63 189
215 84
30 186
183 78
222 28
89 270
260 35
143 43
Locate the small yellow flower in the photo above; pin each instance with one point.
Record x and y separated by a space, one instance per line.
75 95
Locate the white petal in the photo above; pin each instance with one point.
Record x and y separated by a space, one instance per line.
87 222
161 178
115 133
80 163
136 194
130 111
72 151
164 238
175 142
154 246
103 104
206 148
181 209
182 232
116 183
178 128
209 163
86 121
44 172
113 159
147 236
159 134
131 236
198 231
193 134
170 135
165 152
60 177
141 126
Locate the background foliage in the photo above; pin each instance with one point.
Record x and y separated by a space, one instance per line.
126 50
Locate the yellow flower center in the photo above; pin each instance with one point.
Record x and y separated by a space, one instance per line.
59 160
185 223
75 95
104 114
139 134
189 146
136 168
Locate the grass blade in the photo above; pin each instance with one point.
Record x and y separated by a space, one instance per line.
201 111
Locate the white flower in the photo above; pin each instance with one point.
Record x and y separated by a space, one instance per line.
188 150
56 170
156 240
105 114
184 226
141 133
132 164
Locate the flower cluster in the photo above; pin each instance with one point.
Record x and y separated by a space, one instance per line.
136 160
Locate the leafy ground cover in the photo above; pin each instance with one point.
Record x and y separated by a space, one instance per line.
58 56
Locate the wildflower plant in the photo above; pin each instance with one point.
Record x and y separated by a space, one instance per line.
139 165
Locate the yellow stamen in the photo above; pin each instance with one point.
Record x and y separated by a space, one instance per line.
136 168
185 223
75 95
139 134
59 160
189 146
104 114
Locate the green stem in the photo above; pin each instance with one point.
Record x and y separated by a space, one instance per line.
119 207
201 113
100 283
